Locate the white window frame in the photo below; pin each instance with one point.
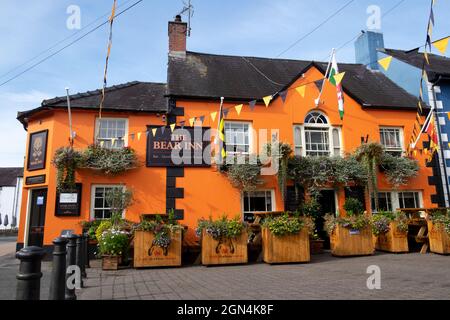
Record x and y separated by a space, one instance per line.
92 207
401 137
395 198
332 147
272 200
97 130
250 137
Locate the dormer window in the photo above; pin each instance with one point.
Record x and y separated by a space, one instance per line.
316 137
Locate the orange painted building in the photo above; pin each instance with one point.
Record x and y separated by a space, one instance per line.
374 107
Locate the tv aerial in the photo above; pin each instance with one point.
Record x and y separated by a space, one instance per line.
188 9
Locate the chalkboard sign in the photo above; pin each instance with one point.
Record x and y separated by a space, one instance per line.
184 147
68 203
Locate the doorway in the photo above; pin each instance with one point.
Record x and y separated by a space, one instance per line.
38 204
327 201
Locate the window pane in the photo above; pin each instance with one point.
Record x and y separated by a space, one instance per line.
408 199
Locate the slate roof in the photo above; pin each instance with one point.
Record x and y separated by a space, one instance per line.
439 65
202 75
8 176
132 96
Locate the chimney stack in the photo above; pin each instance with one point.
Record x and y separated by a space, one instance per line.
177 38
366 48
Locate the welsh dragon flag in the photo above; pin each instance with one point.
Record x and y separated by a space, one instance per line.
336 79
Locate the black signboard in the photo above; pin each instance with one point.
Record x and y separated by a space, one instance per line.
68 203
37 150
184 147
35 180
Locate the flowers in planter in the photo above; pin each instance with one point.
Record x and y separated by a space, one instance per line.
442 220
113 242
91 227
110 161
380 224
383 218
222 228
287 225
67 161
355 219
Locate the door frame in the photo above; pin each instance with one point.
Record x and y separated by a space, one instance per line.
336 199
26 235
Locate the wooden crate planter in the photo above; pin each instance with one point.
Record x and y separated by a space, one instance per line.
316 246
285 249
110 262
148 255
224 251
393 240
346 242
439 239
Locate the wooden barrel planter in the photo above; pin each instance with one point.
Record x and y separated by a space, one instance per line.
439 239
287 248
393 241
224 250
346 242
146 254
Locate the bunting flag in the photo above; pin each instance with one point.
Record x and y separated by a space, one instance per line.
334 72
225 112
420 106
301 90
239 108
111 21
427 59
163 129
441 45
113 141
385 62
220 139
213 116
431 131
448 115
192 121
132 136
267 100
202 119
319 84
154 131
172 127
102 143
283 95
252 104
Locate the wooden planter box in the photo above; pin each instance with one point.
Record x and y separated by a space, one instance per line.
393 240
346 242
285 249
316 246
148 255
439 239
224 251
110 262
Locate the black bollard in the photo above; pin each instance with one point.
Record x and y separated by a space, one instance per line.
79 256
70 261
84 254
58 280
29 276
86 251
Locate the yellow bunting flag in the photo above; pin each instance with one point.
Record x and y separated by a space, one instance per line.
113 141
267 100
239 108
448 115
338 77
301 90
385 62
139 135
442 45
426 57
102 143
420 106
191 121
154 131
213 116
172 127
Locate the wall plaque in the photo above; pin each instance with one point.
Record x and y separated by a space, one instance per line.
68 203
37 150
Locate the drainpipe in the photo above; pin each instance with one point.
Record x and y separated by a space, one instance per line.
446 187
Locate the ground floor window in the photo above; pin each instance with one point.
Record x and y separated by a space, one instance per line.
99 206
257 201
391 200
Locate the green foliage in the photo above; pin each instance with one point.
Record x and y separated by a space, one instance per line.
353 206
103 226
91 227
348 170
245 176
280 153
399 170
113 242
354 222
110 161
67 161
310 208
380 224
118 199
222 228
442 220
287 225
160 228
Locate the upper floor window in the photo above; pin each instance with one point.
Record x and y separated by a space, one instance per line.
391 139
316 137
237 137
112 131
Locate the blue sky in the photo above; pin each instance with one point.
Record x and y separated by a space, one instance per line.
246 27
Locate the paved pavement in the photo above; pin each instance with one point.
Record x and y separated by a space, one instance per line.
405 276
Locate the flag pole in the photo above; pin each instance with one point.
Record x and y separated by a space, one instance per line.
317 101
70 117
219 146
424 128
